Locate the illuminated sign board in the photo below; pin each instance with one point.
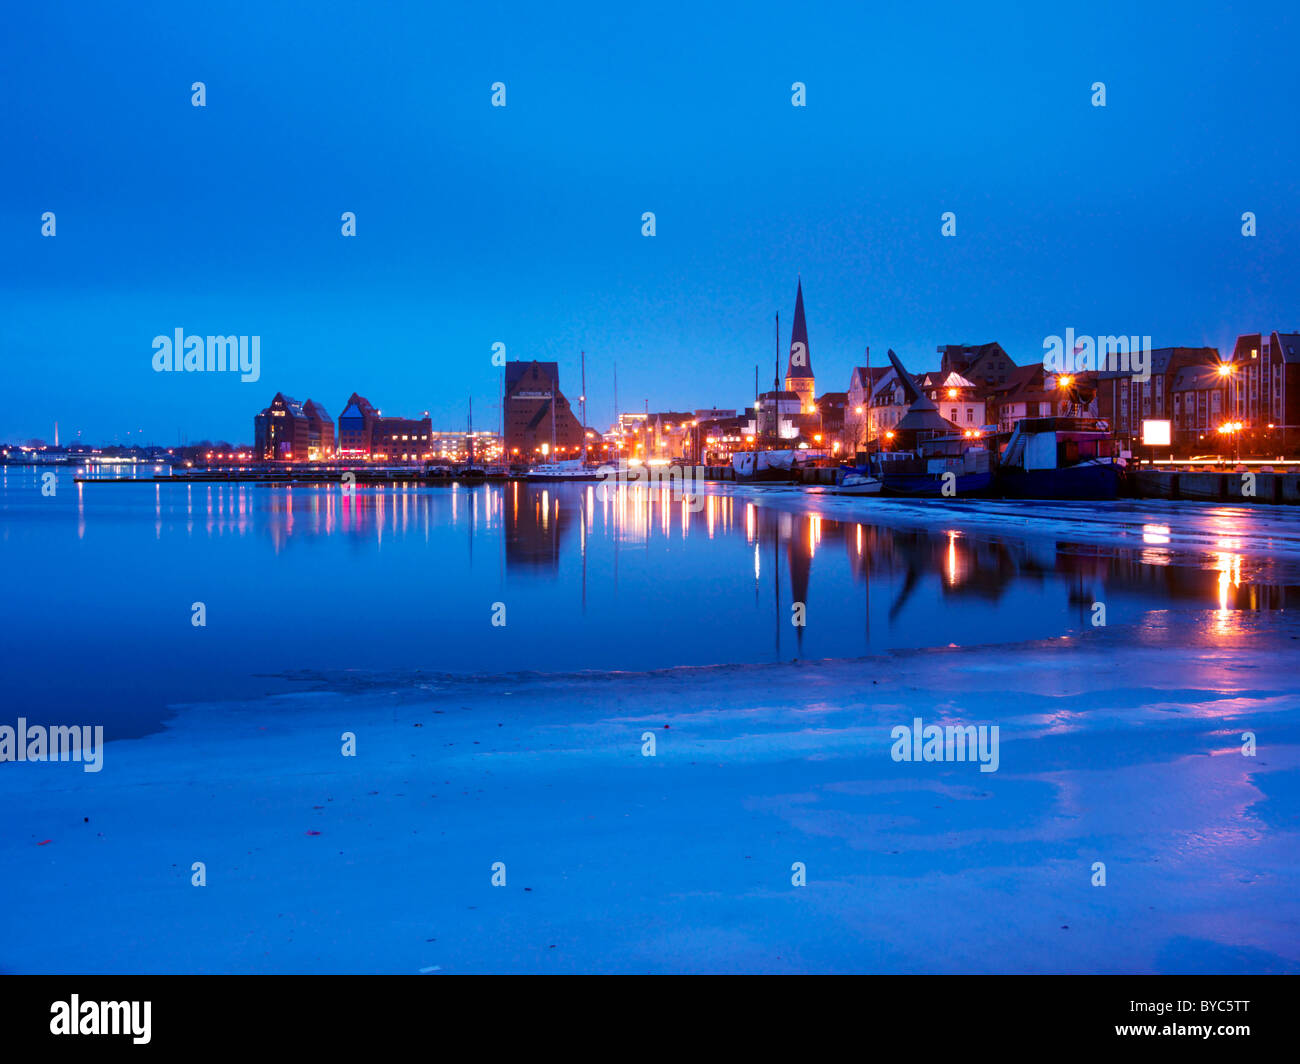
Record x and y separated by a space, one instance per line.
1156 434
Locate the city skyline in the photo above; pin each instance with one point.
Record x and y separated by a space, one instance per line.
522 225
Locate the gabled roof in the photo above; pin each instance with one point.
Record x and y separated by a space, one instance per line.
1162 359
953 380
1019 379
867 376
964 356
972 351
290 404
357 406
1290 346
516 370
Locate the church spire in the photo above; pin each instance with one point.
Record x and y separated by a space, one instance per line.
799 372
800 359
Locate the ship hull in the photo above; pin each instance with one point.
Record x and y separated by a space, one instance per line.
1083 482
929 486
544 477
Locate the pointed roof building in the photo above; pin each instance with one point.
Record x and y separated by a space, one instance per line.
800 358
799 372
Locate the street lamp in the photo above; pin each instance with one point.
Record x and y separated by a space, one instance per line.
1063 383
1226 371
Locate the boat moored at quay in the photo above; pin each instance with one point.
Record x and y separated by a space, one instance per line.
1060 458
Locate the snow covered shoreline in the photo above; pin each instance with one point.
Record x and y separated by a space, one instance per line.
1112 750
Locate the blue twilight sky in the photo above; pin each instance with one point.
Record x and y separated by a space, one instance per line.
523 224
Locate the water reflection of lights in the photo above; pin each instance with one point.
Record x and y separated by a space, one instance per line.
1155 534
1229 566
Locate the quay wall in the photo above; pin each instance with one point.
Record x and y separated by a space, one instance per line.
1216 486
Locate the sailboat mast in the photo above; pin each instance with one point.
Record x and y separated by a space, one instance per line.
584 407
776 364
866 406
470 433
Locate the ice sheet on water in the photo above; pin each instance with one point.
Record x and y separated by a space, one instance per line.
1202 530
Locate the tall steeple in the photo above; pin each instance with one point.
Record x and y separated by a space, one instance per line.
799 373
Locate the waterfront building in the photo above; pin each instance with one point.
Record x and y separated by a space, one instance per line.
862 382
356 424
365 434
320 431
668 434
1264 389
290 431
1200 405
712 414
985 365
777 415
888 404
630 423
799 372
1025 393
956 397
401 439
831 407
452 446
1126 402
720 438
537 415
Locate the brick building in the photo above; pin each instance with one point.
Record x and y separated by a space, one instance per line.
985 365
537 414
1199 406
1264 390
290 431
365 433
1126 402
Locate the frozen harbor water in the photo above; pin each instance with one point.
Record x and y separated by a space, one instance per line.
1120 744
1128 754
